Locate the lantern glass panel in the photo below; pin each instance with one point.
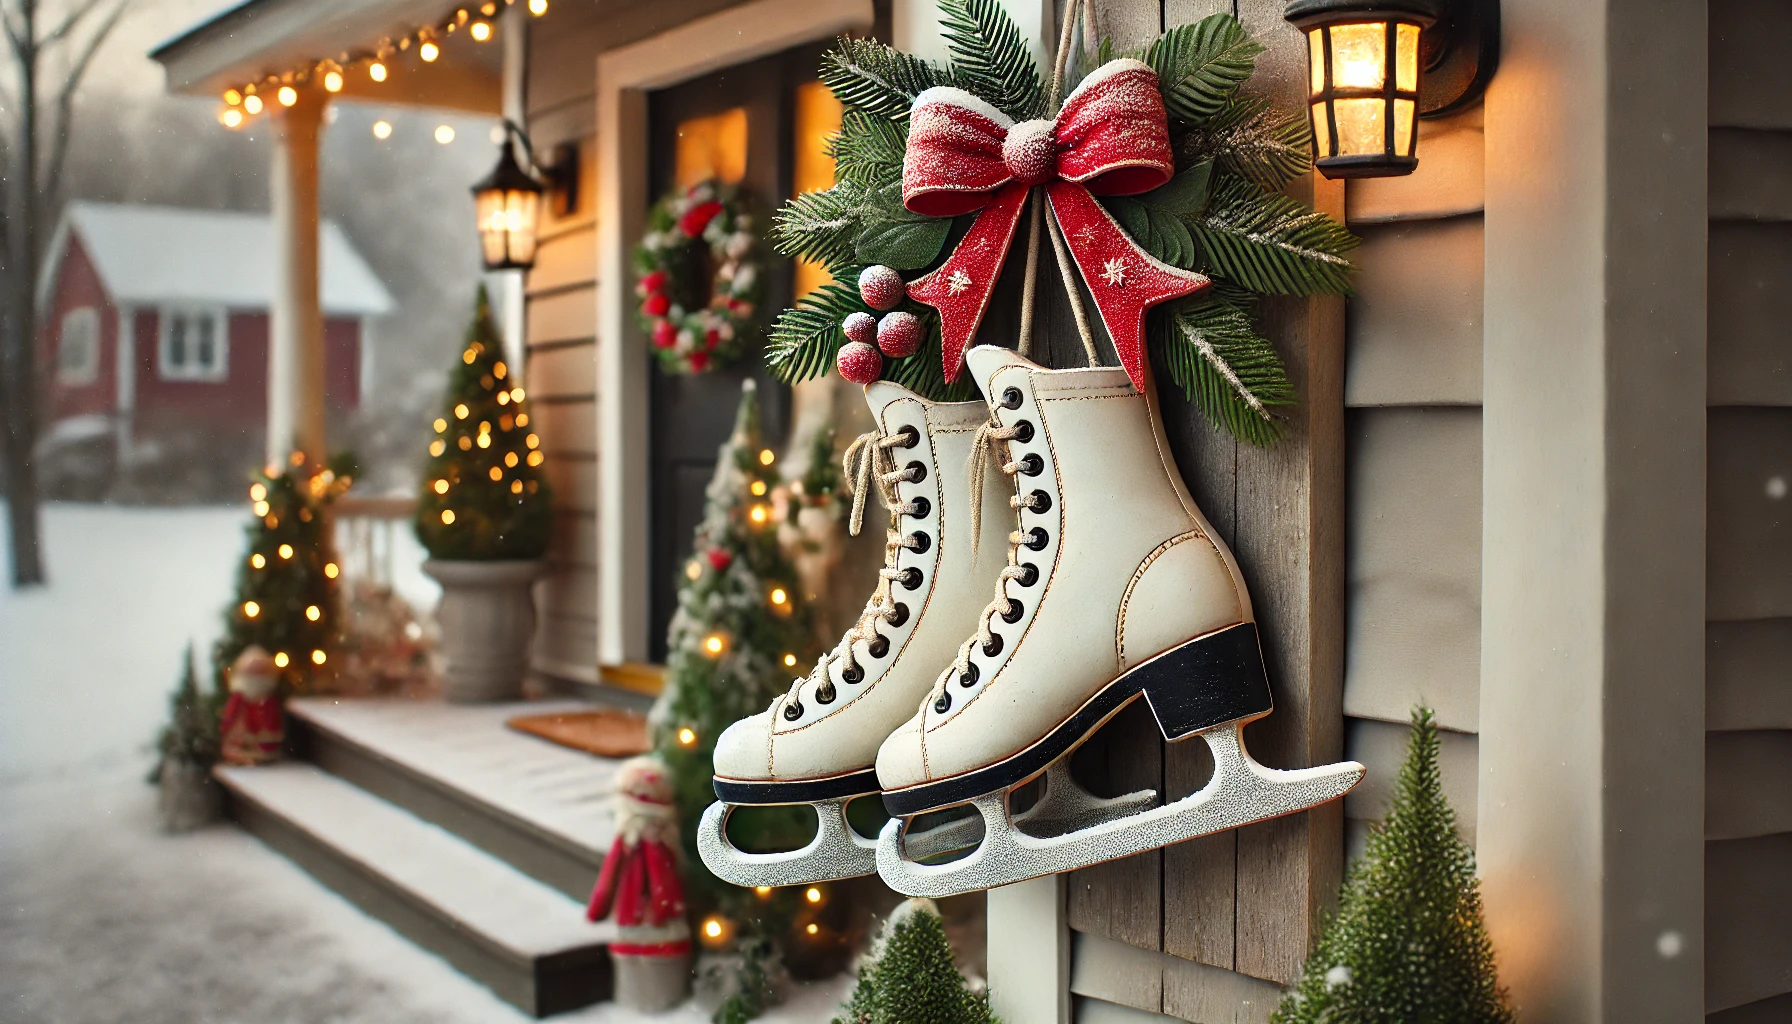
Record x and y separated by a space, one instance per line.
1403 111
506 220
1361 130
1316 61
1359 55
1322 134
1406 57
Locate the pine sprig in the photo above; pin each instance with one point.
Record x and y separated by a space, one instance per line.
1271 243
822 227
990 59
880 80
868 150
1254 140
1232 374
1200 66
806 337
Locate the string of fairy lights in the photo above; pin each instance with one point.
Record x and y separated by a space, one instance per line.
476 21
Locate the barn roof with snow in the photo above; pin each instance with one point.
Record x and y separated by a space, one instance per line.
149 255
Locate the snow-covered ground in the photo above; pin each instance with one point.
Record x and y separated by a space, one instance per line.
102 918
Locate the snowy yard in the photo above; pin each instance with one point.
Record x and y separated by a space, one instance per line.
104 920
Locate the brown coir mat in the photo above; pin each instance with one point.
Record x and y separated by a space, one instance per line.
603 733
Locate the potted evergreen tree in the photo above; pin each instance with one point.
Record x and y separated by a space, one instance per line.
188 745
484 517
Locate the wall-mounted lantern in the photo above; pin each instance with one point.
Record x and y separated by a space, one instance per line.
1375 67
507 202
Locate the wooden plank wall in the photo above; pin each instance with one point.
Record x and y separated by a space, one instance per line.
1748 744
1184 931
561 373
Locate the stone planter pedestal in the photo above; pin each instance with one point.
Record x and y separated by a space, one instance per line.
486 620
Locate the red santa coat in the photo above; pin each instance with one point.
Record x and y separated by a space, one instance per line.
251 730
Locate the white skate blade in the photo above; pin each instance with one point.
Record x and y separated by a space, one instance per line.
1065 807
835 853
1240 792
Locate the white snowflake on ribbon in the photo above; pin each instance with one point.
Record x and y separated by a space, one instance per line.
957 282
1114 272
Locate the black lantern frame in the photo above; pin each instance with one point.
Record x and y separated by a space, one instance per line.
507 202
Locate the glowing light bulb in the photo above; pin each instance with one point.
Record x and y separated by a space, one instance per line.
286 551
330 570
758 488
441 424
538 7
497 474
510 459
258 560
251 609
332 81
535 458
437 447
281 660
687 736
779 596
516 487
313 612
447 517
466 443
813 928
532 441
480 31
813 895
257 492
376 71
461 411
763 890
516 394
232 97
485 440
231 117
790 661
319 657
759 514
692 570
441 486
522 418
713 643
468 356
429 51
287 95
712 928
252 103
261 508
766 457
444 133
503 398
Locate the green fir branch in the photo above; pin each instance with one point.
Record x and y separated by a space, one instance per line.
807 336
868 150
822 227
1200 66
1271 243
990 58
1159 219
1253 139
924 372
1231 373
881 80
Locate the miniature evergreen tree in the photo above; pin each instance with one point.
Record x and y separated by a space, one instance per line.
191 734
909 976
736 639
1408 944
287 597
483 495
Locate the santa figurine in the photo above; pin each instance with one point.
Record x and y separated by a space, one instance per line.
639 883
252 728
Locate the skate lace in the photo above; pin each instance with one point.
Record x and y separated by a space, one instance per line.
983 446
868 464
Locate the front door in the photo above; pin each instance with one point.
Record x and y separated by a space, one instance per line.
739 125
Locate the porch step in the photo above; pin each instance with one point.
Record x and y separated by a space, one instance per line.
541 808
527 942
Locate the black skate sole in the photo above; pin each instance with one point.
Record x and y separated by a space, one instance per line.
1207 682
799 791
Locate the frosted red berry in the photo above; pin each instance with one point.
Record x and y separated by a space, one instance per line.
860 327
881 287
899 334
859 362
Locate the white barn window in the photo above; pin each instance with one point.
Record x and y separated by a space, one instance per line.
195 344
78 346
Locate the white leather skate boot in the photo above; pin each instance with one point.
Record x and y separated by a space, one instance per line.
817 743
1116 588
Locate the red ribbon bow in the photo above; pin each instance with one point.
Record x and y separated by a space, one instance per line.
1111 137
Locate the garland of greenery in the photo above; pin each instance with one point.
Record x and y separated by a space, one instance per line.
1222 215
699 284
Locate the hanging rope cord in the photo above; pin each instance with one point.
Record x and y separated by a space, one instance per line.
991 433
869 467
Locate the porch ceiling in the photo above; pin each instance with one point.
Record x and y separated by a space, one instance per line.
257 38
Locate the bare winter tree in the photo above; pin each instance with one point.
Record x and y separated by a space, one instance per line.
51 47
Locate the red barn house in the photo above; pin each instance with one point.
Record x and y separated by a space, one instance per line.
154 333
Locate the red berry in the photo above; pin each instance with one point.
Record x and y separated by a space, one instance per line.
712 338
699 360
860 327
859 362
664 334
719 560
881 287
899 334
656 304
698 217
653 282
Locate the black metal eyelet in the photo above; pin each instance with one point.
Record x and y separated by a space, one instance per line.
1037 539
994 647
922 508
910 437
969 676
793 711
879 646
898 615
852 675
911 578
1032 464
917 472
919 543
1023 431
1013 612
1039 501
1030 573
825 695
1011 398
944 704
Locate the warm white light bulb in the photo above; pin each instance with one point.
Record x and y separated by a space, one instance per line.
252 103
288 95
480 31
333 81
376 71
444 134
429 51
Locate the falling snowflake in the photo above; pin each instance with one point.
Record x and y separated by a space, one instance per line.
957 282
1114 272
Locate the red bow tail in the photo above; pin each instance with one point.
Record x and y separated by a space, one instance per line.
961 286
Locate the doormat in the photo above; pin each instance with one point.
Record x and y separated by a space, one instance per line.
603 733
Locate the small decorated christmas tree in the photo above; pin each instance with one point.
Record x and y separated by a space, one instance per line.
288 601
909 977
191 733
484 497
1408 944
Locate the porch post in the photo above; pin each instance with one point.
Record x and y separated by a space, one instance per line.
513 284
296 327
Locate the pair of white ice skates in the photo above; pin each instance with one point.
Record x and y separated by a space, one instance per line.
1113 587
